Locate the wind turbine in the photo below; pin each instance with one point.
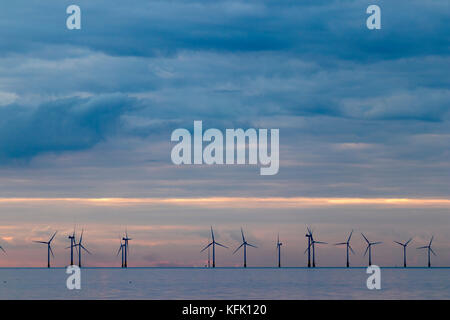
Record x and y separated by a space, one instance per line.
279 244
213 243
312 243
121 250
369 247
72 245
348 247
49 248
126 239
309 236
429 250
1 248
81 248
244 244
404 245
209 256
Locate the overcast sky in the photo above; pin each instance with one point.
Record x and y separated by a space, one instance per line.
86 114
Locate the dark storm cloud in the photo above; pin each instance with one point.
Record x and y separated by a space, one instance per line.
317 29
60 125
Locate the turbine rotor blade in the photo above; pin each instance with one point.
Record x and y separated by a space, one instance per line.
350 236
399 243
431 240
340 243
251 245
206 247
52 237
351 249
221 245
51 251
85 249
407 242
432 251
1 248
238 248
365 252
81 236
365 238
422 247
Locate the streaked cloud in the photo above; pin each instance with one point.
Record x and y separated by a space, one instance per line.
238 202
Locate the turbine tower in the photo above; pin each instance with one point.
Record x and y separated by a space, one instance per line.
244 244
125 248
312 244
348 247
72 245
309 236
81 248
121 250
404 245
49 248
209 256
213 243
369 247
279 244
429 250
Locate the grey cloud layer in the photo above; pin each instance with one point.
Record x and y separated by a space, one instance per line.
149 28
361 113
61 125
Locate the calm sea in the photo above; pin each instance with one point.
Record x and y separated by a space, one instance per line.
225 283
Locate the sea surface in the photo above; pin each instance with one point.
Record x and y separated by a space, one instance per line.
225 283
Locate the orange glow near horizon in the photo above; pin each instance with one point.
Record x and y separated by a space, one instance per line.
240 202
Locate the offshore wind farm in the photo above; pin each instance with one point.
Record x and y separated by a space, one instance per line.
124 250
273 277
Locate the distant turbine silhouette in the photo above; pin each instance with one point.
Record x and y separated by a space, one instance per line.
209 255
309 236
126 250
279 244
72 245
369 247
348 247
49 248
429 250
404 245
121 249
312 243
81 248
213 243
244 244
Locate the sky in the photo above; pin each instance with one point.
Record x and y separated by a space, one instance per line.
86 117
